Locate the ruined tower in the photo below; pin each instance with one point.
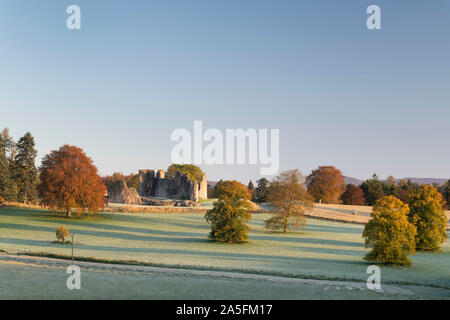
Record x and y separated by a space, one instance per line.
181 186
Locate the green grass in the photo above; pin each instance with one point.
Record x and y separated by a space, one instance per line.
22 281
325 250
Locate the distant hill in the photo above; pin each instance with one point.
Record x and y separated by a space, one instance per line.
439 181
354 181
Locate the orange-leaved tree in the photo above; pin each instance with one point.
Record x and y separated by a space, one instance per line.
353 195
326 184
69 179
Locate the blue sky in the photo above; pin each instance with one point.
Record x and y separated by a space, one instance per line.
363 101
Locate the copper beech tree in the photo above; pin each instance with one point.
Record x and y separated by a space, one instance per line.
69 180
326 184
353 195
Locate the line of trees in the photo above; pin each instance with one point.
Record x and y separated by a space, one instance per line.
326 184
66 180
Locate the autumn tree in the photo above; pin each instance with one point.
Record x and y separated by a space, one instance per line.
69 179
261 191
194 172
427 214
24 169
353 195
389 233
326 184
229 215
373 190
288 201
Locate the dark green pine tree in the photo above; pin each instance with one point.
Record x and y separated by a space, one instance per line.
8 187
251 189
262 190
373 190
4 173
24 169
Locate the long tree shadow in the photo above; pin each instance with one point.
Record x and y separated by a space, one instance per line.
307 240
169 251
180 236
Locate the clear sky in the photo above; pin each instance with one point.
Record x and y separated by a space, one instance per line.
363 101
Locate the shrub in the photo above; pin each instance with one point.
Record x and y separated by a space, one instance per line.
428 216
389 233
62 233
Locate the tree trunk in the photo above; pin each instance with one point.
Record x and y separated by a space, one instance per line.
68 214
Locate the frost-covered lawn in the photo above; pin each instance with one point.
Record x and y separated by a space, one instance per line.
324 250
47 281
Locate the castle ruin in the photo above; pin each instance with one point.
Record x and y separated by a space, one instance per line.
181 186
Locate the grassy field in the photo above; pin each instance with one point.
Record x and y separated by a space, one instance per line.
41 280
325 250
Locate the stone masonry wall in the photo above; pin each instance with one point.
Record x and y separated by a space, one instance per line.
155 184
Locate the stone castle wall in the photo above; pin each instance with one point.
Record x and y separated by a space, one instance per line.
155 184
120 193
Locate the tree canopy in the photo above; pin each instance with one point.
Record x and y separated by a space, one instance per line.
389 233
353 195
8 187
288 201
427 214
373 190
24 169
229 215
261 191
326 184
69 179
194 172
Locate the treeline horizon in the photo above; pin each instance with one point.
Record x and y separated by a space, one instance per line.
19 180
326 184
